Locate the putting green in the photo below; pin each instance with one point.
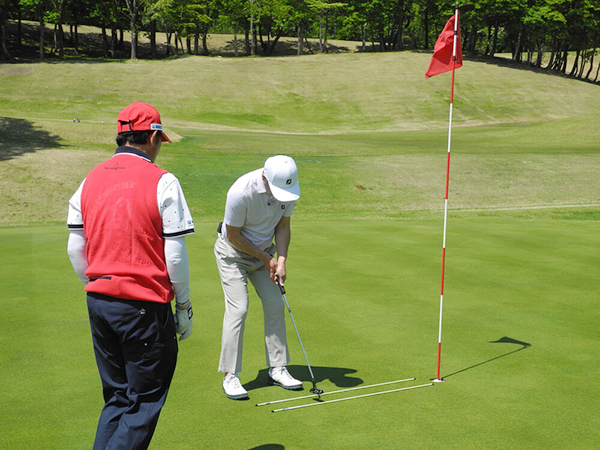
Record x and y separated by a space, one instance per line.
365 295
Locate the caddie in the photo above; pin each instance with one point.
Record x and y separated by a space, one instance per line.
258 211
128 221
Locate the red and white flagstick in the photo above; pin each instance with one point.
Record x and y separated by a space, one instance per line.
439 379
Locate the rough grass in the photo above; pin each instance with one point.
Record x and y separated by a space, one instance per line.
382 175
347 92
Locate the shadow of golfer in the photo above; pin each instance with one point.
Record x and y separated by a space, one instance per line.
336 375
503 340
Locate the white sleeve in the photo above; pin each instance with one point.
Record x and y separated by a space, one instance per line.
289 210
76 250
74 216
176 217
235 208
178 267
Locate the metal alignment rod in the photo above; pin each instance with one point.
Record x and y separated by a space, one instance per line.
350 398
333 392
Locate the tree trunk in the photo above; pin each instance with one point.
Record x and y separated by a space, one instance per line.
400 38
54 40
205 51
134 35
61 41
494 41
19 31
552 56
589 72
235 40
310 50
426 25
252 37
364 37
540 57
582 67
517 51
321 46
300 38
104 42
76 37
4 45
575 64
113 40
188 44
168 50
42 31
564 62
153 53
325 37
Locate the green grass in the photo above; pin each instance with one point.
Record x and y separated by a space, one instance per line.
369 135
365 297
346 92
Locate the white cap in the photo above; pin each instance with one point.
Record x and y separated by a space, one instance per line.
282 175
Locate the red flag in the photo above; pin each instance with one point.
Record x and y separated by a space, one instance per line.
441 60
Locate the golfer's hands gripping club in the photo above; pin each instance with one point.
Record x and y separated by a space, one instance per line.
279 283
277 271
183 319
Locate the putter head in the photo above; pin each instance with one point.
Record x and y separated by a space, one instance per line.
316 391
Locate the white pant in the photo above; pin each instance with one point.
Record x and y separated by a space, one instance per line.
236 268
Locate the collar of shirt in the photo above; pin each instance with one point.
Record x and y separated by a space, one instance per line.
132 151
260 184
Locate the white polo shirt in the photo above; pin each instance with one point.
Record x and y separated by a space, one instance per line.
250 207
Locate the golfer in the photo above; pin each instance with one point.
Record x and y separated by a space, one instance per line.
258 208
128 221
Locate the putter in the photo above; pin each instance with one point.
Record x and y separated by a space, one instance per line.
315 390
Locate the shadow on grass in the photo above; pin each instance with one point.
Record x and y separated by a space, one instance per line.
504 340
269 447
506 62
337 375
20 136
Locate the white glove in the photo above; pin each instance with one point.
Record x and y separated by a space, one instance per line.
183 319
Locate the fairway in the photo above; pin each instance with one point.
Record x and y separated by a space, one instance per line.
521 304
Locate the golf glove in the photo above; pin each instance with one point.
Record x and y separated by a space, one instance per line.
183 319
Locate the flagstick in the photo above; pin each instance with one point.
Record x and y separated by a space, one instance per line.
439 379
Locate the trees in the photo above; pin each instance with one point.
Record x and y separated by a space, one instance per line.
38 8
532 31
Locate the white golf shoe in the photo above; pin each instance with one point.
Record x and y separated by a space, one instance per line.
281 377
233 388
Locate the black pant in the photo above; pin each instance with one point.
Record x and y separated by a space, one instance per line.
136 352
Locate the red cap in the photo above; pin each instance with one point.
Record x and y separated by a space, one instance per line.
140 117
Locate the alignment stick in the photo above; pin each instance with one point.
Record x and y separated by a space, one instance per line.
333 392
350 398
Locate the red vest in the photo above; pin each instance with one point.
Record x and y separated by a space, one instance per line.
123 230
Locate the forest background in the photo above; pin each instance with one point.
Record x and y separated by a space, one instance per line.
557 35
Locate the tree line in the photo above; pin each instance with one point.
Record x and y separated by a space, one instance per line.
532 31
